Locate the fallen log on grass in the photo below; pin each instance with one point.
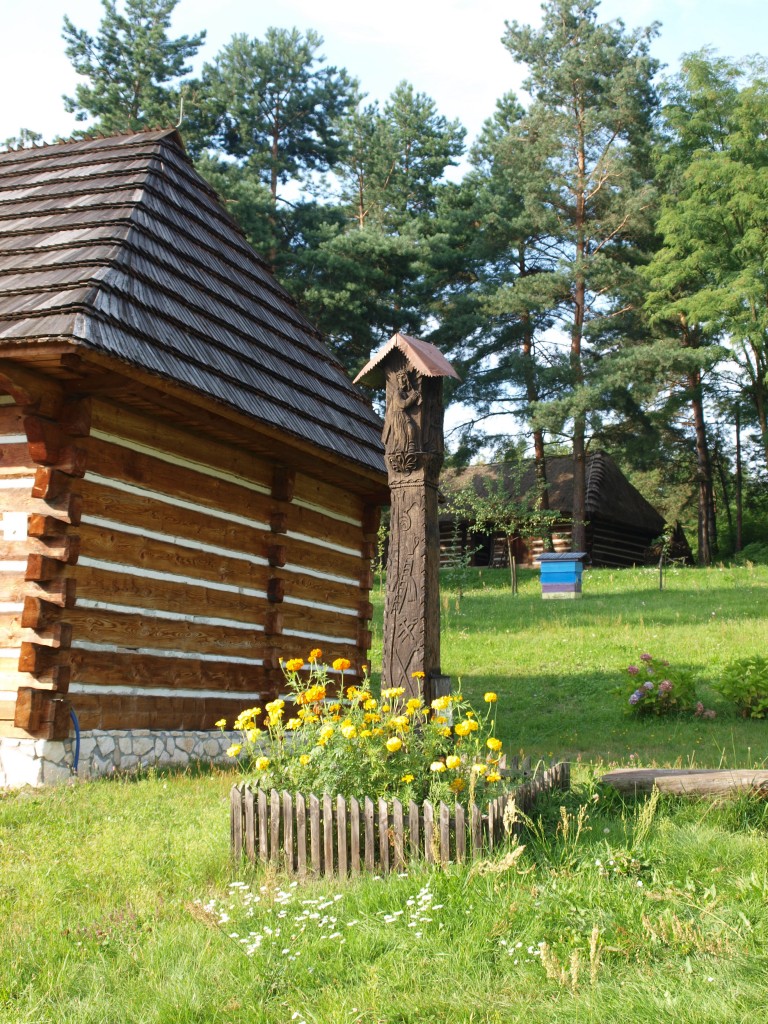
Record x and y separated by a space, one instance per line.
689 781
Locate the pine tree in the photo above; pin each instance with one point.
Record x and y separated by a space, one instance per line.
589 122
134 70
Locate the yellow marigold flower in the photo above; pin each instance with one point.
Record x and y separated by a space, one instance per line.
371 704
417 675
394 743
393 691
333 708
365 734
371 716
457 785
490 697
469 713
437 766
293 723
472 725
414 703
311 695
221 724
378 731
252 734
275 705
234 750
493 777
445 731
304 759
462 728
261 764
452 761
480 769
348 731
441 703
294 664
386 707
342 664
399 722
493 743
314 654
407 777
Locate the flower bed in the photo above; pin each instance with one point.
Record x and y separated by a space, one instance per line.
411 781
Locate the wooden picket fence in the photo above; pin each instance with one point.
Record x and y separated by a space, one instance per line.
326 836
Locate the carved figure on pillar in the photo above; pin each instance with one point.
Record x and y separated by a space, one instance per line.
412 371
402 431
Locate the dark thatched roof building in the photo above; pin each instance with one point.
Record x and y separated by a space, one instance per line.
190 481
621 524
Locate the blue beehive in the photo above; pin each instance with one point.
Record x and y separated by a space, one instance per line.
561 574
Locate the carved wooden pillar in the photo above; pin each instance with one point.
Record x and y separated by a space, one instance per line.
412 372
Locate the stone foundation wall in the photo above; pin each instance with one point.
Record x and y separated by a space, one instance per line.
42 762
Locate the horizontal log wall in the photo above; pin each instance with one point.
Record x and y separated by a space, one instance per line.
200 566
40 466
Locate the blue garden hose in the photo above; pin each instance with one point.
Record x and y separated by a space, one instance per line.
76 724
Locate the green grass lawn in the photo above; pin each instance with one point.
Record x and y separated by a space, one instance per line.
118 901
556 664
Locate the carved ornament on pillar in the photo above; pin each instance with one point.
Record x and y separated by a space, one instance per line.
411 370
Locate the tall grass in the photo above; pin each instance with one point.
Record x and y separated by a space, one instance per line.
118 901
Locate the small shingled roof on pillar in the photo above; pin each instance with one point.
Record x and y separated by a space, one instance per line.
423 356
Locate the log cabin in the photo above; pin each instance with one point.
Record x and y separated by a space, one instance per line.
190 482
622 526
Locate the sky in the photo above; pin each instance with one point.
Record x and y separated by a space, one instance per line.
448 49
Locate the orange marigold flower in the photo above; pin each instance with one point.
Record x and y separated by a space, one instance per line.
294 664
457 785
342 664
314 654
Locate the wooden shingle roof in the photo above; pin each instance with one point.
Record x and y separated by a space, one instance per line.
610 497
117 245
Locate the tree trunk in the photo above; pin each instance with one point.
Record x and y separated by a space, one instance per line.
578 512
739 516
707 526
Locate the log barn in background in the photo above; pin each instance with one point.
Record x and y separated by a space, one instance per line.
621 525
190 483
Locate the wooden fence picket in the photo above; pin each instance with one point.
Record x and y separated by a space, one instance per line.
274 821
341 834
354 829
327 835
384 837
314 834
413 829
273 829
263 848
398 833
301 836
370 855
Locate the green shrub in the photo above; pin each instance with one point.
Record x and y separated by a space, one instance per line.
745 682
756 553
